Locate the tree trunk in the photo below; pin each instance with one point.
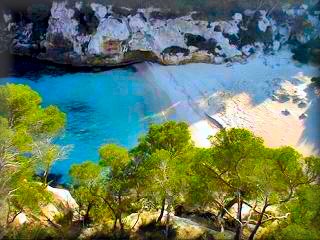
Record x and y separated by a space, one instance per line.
167 222
115 223
238 235
46 178
163 203
121 223
120 213
138 218
8 213
228 206
253 233
221 223
86 217
8 220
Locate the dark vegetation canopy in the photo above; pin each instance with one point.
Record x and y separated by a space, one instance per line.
208 8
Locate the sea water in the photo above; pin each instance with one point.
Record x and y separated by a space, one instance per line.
114 106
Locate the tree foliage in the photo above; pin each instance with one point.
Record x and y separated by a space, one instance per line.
166 170
107 185
163 155
24 124
278 186
86 183
170 136
245 172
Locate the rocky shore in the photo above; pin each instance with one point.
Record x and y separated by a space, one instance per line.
83 34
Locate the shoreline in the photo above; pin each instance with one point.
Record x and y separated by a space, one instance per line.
20 65
269 95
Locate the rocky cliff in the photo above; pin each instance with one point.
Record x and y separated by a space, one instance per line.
84 34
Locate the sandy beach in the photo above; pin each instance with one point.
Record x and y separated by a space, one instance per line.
270 95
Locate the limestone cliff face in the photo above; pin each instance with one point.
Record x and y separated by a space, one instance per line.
84 34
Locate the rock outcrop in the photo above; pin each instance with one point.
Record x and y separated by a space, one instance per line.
184 228
61 204
84 34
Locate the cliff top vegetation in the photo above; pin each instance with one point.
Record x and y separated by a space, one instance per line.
178 7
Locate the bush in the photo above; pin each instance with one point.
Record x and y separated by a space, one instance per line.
308 52
31 232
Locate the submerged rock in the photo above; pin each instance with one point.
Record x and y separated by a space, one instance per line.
286 112
302 104
303 116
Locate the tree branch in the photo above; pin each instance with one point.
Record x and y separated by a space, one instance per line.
218 176
276 218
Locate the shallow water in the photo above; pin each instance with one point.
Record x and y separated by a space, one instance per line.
115 106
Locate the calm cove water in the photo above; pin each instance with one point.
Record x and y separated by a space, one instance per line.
115 106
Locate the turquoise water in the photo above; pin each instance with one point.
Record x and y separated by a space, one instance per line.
115 106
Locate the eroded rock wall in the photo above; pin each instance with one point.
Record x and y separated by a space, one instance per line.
84 34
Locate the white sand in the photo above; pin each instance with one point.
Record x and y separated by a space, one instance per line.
241 96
